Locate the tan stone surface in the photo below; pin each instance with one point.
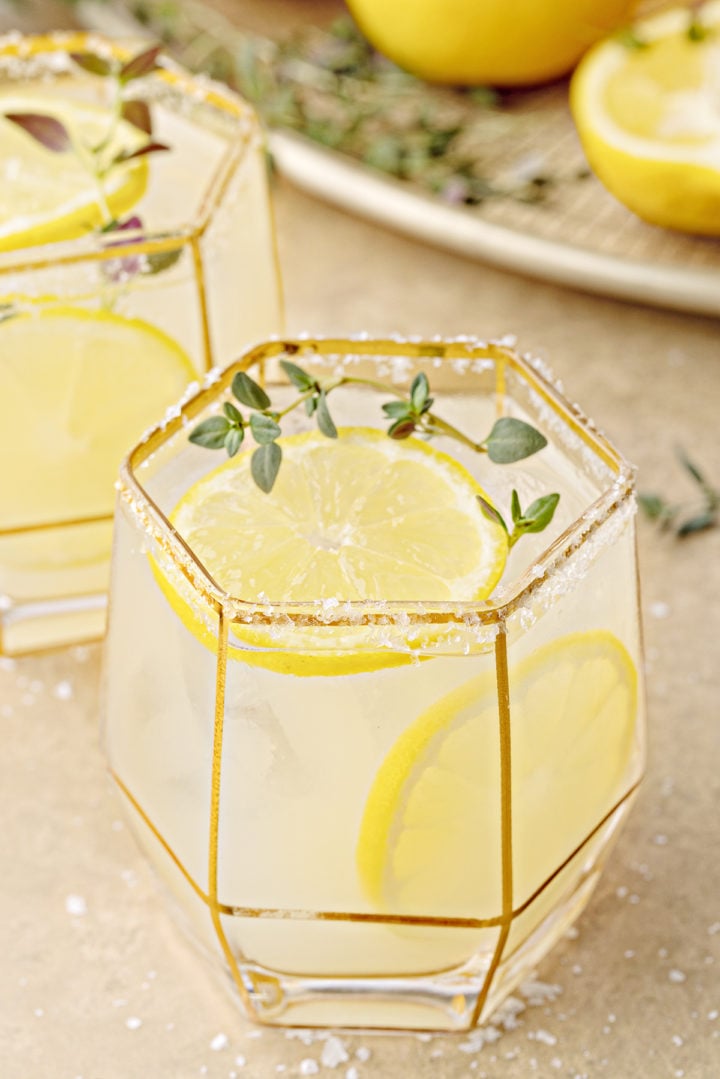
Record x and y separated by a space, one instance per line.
638 991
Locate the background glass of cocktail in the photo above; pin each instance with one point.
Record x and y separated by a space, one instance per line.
118 287
380 813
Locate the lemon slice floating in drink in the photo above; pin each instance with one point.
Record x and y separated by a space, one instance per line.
46 196
648 119
361 517
429 841
77 388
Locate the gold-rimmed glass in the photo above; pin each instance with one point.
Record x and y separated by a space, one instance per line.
196 277
247 769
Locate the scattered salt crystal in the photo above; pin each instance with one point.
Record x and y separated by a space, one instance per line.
240 1060
133 1023
572 933
621 892
629 953
280 1068
363 1054
714 928
120 1002
435 1054
543 1036
660 840
220 1041
39 1013
333 1053
663 953
352 1073
169 1026
676 976
659 609
75 905
612 1018
536 992
556 1062
634 899
63 691
308 1066
577 969
713 1014
676 1040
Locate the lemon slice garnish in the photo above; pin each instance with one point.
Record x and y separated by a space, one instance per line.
46 196
361 517
429 841
649 121
77 388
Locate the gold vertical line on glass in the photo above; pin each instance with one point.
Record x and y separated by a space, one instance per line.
214 824
506 857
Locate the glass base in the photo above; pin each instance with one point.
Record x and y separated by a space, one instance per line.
38 625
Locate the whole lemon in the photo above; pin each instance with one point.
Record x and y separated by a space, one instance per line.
491 42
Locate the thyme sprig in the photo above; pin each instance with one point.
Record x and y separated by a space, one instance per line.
411 413
685 518
102 158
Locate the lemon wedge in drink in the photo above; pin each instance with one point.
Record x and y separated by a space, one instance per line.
360 517
46 196
430 836
648 119
77 388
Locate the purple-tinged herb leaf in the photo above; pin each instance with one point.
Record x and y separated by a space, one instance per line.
401 429
49 132
140 65
137 113
490 512
121 269
149 148
92 63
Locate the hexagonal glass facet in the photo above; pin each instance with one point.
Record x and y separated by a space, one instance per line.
101 328
380 813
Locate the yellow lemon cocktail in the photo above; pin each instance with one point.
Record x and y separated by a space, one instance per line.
136 250
376 749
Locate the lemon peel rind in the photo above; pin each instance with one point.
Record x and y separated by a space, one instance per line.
398 771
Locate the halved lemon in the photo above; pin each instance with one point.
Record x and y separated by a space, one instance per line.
649 122
77 388
360 517
430 836
46 196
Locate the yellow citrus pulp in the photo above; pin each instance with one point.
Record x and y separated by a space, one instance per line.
77 388
429 840
510 43
649 121
47 196
360 517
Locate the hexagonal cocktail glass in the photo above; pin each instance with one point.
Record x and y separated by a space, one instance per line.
101 330
381 813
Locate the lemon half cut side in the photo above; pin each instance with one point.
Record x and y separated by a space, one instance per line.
649 123
360 517
47 197
430 837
